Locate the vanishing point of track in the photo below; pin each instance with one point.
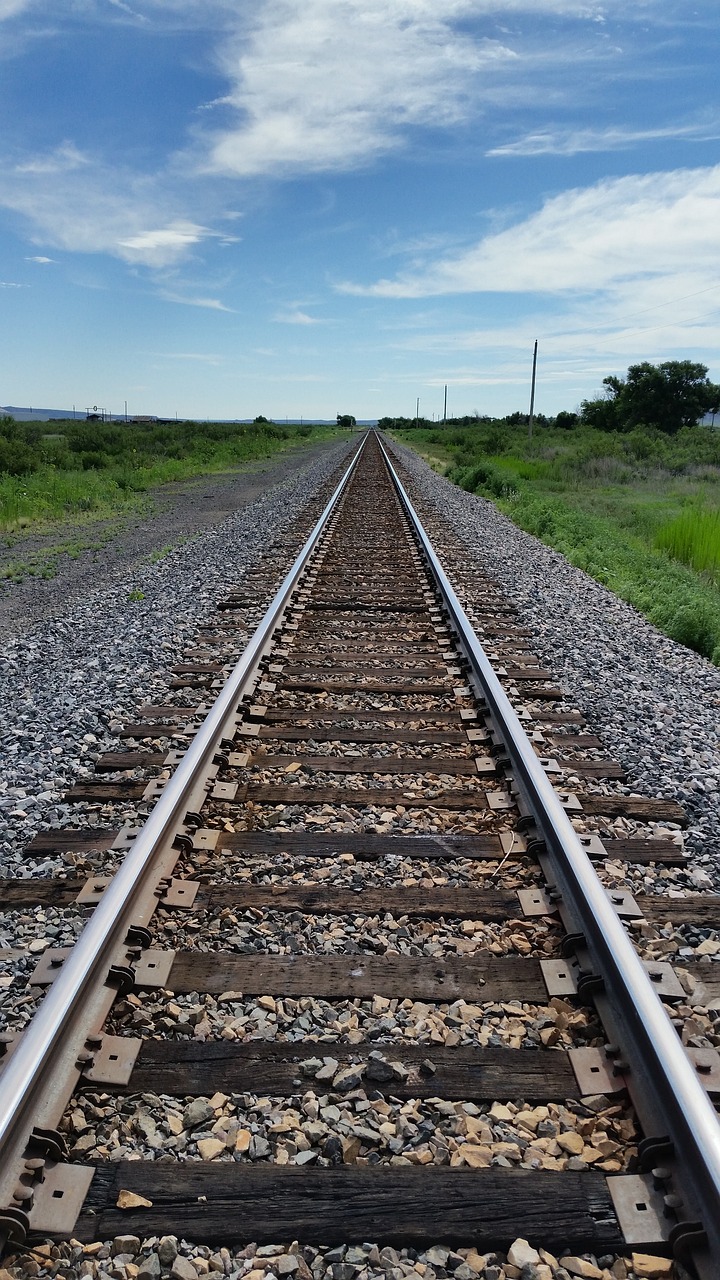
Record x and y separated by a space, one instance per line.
362 743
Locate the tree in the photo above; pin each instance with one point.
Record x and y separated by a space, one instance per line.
346 420
671 395
566 420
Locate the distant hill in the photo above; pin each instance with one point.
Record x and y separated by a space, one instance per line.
39 415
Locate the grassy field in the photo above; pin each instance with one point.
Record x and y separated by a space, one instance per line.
638 511
95 469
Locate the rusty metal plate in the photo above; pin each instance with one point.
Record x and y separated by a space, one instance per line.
707 1064
125 838
256 711
48 966
239 759
499 800
113 1060
153 968
592 844
513 842
550 765
625 905
92 891
664 980
485 765
569 801
180 893
153 790
535 902
560 976
594 1072
58 1199
639 1208
206 838
224 791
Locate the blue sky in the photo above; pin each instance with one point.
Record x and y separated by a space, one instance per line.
222 208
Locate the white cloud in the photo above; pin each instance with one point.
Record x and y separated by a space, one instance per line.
212 304
328 85
620 231
11 284
293 315
162 246
39 257
64 159
573 142
74 201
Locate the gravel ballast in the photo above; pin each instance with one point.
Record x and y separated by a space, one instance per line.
655 703
64 681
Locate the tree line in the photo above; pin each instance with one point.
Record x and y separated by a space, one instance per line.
666 396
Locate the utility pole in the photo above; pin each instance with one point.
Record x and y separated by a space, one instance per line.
445 406
417 411
532 393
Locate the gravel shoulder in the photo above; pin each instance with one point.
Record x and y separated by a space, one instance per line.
102 650
86 555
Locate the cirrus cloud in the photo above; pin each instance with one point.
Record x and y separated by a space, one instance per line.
617 231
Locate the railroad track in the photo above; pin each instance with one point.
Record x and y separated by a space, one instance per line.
354 978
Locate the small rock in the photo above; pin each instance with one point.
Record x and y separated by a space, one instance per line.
167 1250
286 1264
378 1068
183 1269
646 1264
130 1200
521 1252
149 1268
209 1148
581 1267
349 1078
126 1244
197 1112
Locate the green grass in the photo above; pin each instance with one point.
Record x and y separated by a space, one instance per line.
95 470
639 512
694 539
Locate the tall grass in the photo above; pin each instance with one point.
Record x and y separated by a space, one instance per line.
693 538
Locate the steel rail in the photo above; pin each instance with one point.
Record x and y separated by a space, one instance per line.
654 1048
29 1070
